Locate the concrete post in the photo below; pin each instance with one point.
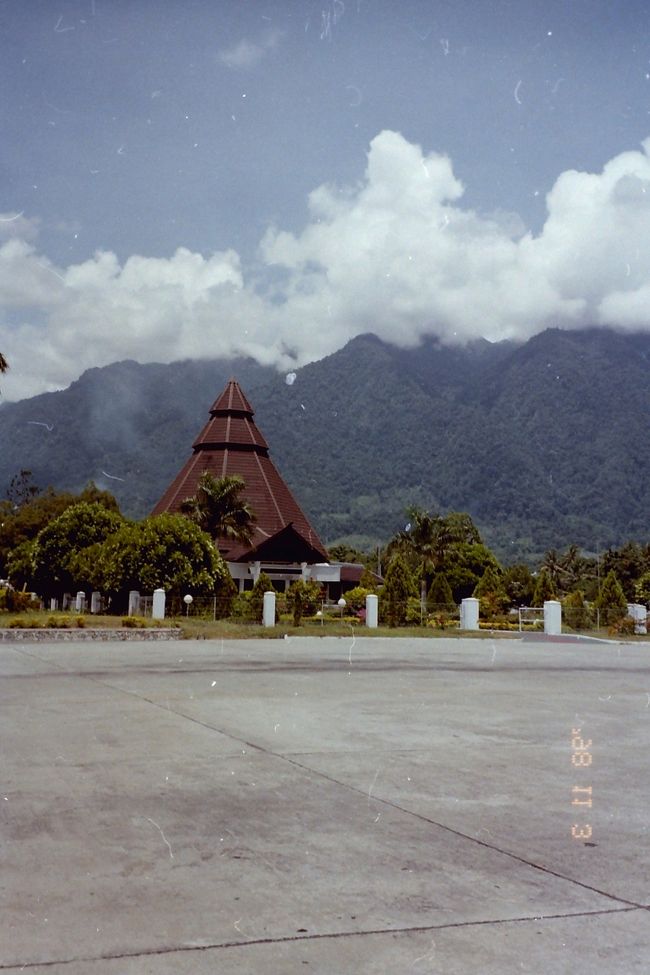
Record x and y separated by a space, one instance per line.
469 613
268 610
54 604
80 602
552 617
95 602
372 610
158 605
134 603
639 613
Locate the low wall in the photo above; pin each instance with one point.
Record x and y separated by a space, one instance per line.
44 634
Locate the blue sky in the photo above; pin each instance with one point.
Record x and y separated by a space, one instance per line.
160 166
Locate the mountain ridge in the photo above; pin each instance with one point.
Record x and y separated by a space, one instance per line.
542 442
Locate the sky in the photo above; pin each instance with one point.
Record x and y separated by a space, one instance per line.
204 178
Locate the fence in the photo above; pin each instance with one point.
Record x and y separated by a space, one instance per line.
412 612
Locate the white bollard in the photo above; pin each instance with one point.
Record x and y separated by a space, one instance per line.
372 610
80 602
639 613
469 613
268 609
95 602
552 617
158 605
54 604
134 603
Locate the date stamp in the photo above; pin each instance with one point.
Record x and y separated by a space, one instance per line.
581 758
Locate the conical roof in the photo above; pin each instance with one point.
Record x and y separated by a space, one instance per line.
230 443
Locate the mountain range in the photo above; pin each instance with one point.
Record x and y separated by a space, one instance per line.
545 443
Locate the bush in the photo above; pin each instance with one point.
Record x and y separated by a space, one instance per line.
133 622
440 596
623 627
356 598
303 599
399 588
241 606
413 612
13 601
576 612
57 622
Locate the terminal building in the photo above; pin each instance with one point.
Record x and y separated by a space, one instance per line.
284 544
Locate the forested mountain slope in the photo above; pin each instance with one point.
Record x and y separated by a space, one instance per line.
544 443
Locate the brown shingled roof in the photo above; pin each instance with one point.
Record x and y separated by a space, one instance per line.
230 443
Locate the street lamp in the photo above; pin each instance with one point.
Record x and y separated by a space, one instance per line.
342 604
188 600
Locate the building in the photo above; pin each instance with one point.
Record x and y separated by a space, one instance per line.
284 544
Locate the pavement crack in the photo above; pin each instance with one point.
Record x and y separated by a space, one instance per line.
324 936
378 799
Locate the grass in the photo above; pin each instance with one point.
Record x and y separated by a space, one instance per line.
197 628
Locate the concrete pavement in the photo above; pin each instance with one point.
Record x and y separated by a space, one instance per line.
324 805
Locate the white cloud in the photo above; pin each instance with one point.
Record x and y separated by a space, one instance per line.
246 54
397 255
15 224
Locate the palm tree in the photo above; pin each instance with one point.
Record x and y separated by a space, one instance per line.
219 510
423 542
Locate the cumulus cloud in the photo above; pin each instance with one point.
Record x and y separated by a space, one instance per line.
246 53
397 255
17 225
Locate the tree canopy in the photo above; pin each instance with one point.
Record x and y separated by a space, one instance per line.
60 543
218 509
162 552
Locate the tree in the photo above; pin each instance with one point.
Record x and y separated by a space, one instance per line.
399 587
642 589
576 612
491 592
303 599
553 564
628 563
368 580
22 523
437 543
162 552
440 596
20 565
611 600
464 565
519 585
60 542
22 489
4 365
544 588
218 509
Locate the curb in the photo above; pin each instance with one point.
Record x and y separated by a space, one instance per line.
63 634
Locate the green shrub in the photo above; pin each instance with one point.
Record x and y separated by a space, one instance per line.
13 601
623 627
303 599
576 612
413 612
133 622
356 598
58 622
